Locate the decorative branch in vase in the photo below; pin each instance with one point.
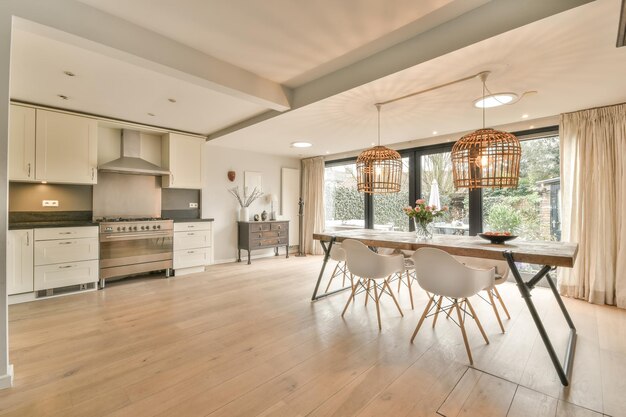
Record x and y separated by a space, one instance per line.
245 200
423 215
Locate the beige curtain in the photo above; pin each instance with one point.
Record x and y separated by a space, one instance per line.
313 196
593 196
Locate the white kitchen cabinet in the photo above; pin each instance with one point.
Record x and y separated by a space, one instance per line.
21 143
65 256
182 156
19 261
193 247
66 148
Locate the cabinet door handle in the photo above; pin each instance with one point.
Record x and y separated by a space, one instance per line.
27 238
65 243
29 170
66 233
191 251
65 266
191 234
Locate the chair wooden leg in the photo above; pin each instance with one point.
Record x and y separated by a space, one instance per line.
480 327
386 284
495 309
408 280
462 326
419 323
508 316
399 282
343 273
354 287
377 299
332 277
367 291
352 284
437 310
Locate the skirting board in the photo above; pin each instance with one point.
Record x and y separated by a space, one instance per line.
6 381
186 271
292 249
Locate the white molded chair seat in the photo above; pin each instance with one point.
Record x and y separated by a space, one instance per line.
372 269
442 275
501 274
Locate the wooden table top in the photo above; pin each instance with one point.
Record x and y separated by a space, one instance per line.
534 252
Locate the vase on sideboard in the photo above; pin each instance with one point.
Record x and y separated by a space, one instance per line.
244 214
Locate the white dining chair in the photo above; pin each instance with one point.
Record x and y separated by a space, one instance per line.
338 255
405 278
444 277
501 274
371 270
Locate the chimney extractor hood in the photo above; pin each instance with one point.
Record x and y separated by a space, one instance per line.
131 162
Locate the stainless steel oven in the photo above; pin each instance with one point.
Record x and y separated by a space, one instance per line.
129 247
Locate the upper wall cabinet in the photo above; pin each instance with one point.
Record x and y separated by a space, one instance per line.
21 143
182 155
66 148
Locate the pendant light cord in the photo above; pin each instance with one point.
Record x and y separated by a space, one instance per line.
378 106
484 102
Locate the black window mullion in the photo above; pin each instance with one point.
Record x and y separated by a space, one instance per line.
475 211
369 210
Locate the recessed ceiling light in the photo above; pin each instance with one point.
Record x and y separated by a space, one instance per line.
151 114
524 116
63 97
327 152
301 144
171 100
373 143
434 132
69 73
495 100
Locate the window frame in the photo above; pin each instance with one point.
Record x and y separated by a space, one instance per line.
475 209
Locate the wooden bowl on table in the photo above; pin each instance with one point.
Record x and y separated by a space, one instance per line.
497 237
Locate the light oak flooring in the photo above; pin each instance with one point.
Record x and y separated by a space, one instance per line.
243 340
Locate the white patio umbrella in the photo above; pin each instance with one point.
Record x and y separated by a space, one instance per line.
434 199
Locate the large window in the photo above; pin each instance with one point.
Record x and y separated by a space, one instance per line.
345 207
530 211
388 214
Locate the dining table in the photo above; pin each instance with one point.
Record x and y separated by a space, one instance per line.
547 254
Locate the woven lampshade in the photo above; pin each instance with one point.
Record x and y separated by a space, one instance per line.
486 158
379 171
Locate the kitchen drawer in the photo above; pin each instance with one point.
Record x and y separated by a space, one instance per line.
66 250
192 240
260 227
192 257
280 226
66 233
191 226
271 233
63 275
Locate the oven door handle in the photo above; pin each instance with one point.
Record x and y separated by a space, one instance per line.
141 235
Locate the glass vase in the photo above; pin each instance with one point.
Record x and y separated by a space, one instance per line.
423 230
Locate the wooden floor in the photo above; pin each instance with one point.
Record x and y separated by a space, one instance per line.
244 340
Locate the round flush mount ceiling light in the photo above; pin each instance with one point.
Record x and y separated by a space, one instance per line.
301 144
495 100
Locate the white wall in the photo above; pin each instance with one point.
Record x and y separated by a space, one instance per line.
217 202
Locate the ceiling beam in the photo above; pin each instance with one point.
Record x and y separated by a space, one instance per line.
87 27
486 21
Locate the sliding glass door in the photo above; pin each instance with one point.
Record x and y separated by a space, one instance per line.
388 214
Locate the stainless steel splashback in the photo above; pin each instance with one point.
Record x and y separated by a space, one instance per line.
119 195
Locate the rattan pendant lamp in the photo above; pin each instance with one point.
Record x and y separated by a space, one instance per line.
379 169
486 158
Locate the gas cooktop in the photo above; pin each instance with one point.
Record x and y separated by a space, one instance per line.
129 219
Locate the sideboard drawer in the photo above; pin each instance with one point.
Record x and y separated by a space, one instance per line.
280 226
259 227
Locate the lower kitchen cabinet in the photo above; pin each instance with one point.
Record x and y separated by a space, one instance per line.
193 247
66 256
20 261
65 274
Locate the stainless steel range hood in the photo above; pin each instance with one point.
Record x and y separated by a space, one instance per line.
131 161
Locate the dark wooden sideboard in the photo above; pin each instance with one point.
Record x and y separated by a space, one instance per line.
263 235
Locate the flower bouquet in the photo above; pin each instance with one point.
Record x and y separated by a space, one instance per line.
423 215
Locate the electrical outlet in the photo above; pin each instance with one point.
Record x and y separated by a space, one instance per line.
50 203
193 205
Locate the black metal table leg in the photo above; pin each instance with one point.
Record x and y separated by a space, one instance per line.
319 278
525 288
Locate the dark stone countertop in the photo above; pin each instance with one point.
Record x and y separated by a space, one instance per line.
44 224
191 220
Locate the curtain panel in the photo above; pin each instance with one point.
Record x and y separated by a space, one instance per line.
593 195
313 196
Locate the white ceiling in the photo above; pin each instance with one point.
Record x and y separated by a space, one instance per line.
287 41
115 88
569 58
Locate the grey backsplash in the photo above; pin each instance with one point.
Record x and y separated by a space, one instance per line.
28 197
123 195
175 203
